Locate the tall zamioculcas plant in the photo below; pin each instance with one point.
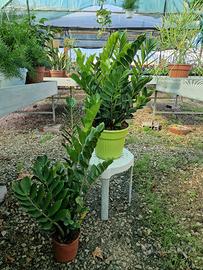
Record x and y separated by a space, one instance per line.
120 85
117 76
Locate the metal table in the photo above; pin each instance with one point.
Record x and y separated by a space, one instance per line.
122 164
65 82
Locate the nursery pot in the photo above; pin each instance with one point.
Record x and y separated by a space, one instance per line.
65 252
37 76
110 144
47 73
57 73
179 71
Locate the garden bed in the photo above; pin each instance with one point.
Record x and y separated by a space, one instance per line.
162 229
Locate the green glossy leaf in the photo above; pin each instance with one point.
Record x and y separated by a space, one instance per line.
33 191
17 189
62 215
25 184
47 201
71 102
54 208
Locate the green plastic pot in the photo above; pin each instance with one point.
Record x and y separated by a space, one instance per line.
111 143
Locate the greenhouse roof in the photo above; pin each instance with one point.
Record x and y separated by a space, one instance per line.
47 7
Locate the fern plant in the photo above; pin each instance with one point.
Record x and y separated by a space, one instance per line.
9 64
55 195
26 41
121 87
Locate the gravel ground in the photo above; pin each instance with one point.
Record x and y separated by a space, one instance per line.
125 239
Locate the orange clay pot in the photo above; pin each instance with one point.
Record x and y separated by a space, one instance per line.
179 71
65 252
57 73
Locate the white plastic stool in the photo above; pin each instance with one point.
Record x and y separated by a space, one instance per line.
122 164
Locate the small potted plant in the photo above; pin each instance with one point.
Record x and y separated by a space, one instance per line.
26 41
55 195
38 60
177 33
129 6
69 43
59 62
122 88
103 19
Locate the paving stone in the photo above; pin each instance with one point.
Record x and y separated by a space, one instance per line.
180 130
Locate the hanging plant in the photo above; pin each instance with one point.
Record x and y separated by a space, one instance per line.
103 19
129 6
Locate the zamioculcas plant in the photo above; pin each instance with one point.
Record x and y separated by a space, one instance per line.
121 87
55 195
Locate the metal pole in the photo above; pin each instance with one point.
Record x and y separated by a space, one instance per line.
28 11
5 5
165 7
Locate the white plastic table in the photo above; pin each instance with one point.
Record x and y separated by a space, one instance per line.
191 87
14 98
124 163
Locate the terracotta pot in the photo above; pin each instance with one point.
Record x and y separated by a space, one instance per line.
65 252
47 73
37 76
179 71
57 73
65 50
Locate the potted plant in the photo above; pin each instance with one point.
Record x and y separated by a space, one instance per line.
69 43
55 195
122 88
39 38
129 6
38 60
103 19
59 62
12 55
27 40
177 33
